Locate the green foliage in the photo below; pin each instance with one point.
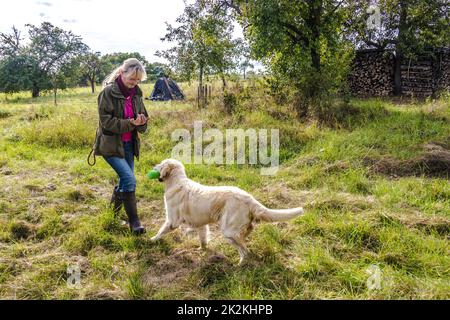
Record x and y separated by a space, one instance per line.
156 69
91 69
110 61
410 26
117 58
22 72
55 50
229 102
48 61
204 43
301 44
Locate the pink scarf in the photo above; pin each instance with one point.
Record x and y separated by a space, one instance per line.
128 108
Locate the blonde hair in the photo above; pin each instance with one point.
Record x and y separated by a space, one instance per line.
130 67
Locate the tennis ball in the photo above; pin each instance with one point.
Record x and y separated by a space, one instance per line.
153 174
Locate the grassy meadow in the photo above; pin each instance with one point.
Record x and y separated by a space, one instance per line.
369 204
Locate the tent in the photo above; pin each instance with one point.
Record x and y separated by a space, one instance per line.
166 89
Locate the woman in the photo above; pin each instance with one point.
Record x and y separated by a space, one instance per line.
122 116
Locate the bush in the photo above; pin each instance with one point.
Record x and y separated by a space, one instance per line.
230 102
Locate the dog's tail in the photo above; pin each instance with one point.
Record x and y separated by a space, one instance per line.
270 215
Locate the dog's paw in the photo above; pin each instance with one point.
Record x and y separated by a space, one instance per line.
154 239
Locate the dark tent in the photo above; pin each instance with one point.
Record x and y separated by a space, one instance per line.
166 89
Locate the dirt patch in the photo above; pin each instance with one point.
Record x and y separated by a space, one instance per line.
177 267
33 188
417 220
434 162
103 294
281 195
338 166
439 225
171 269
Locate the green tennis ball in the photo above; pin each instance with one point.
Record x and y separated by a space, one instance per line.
153 174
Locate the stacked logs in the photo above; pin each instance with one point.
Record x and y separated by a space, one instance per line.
372 73
441 71
417 77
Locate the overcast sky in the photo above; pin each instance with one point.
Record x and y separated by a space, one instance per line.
105 25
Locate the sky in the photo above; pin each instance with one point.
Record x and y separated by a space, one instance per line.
105 25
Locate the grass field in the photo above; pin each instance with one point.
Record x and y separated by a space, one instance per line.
370 205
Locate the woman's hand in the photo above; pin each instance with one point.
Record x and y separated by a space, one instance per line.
140 120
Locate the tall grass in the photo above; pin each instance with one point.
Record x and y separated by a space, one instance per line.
54 214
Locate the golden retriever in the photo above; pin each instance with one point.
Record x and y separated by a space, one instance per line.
188 202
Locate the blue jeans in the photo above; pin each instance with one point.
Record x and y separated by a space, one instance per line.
124 167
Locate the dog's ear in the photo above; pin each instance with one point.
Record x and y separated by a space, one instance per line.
165 171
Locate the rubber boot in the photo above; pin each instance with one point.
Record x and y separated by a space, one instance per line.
116 201
129 202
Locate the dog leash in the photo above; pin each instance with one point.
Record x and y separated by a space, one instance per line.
89 156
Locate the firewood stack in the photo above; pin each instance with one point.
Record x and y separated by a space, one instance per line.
417 77
441 71
372 74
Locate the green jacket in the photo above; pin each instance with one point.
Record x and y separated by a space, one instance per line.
112 125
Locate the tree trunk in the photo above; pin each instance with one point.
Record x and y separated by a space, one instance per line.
35 91
315 58
398 72
92 81
200 76
313 21
315 12
402 29
224 82
200 86
54 93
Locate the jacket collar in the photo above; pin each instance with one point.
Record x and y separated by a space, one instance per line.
115 90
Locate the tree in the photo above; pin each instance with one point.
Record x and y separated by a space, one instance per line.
69 74
114 60
188 56
245 63
10 43
54 49
117 58
299 41
42 64
91 66
111 61
95 68
409 27
204 43
155 69
19 70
